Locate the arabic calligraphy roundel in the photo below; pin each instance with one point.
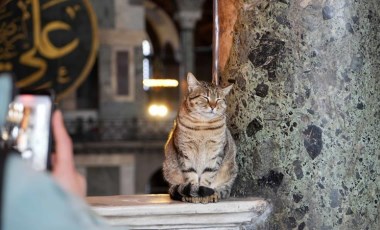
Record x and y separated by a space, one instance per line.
48 43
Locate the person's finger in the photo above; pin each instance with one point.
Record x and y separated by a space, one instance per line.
82 185
63 143
63 161
53 159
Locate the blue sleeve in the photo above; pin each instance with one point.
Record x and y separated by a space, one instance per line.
33 201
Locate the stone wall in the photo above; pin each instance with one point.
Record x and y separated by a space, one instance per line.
121 29
305 110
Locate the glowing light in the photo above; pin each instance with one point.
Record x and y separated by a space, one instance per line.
157 110
160 83
147 51
146 71
146 48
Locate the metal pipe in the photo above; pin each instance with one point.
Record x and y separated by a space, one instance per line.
215 44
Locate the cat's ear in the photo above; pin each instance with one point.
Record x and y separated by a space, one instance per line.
192 82
226 90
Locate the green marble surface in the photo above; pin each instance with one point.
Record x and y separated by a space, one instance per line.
305 110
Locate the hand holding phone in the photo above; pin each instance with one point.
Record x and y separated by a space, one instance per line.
29 119
35 139
63 159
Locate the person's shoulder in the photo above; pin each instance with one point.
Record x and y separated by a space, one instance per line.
33 200
19 173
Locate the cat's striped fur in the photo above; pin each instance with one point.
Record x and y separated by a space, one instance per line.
200 153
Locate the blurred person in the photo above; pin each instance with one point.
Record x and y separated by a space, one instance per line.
41 201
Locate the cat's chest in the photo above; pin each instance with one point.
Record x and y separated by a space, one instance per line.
201 137
200 142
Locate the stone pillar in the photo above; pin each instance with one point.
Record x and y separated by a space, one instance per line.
189 13
305 110
121 30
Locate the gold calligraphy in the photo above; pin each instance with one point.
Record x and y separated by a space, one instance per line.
72 11
7 66
24 8
37 41
52 3
63 77
48 49
29 59
9 33
43 45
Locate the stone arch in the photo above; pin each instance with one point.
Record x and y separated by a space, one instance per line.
163 27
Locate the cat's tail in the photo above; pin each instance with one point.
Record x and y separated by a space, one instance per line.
178 191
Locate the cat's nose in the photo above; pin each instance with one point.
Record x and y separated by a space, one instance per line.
212 105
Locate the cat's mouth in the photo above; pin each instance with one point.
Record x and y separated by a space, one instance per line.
212 112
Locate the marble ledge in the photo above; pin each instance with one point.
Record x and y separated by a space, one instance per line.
160 212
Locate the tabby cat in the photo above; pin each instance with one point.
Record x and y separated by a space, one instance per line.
200 153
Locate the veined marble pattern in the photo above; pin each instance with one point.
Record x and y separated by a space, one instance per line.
305 110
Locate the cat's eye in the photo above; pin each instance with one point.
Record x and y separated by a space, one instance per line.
206 98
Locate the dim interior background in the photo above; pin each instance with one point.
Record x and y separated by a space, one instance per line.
304 111
118 143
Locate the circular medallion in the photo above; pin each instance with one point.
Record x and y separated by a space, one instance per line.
48 43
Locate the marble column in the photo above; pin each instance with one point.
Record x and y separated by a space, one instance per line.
189 12
305 109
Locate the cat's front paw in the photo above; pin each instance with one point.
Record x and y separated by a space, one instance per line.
204 200
211 199
191 199
204 191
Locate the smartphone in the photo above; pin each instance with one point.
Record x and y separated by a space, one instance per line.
30 113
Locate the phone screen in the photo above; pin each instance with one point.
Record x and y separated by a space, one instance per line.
33 114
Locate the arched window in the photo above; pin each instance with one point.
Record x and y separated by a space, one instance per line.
147 61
